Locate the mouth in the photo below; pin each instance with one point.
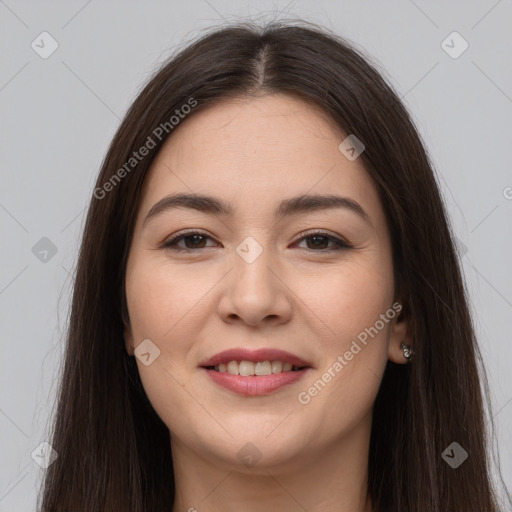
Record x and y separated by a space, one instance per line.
255 373
258 368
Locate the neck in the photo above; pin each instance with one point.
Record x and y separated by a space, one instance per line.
319 479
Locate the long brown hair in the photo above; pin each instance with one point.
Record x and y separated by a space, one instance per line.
113 450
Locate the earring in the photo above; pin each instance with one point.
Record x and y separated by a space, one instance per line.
407 350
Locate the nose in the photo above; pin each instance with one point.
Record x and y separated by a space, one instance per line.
255 293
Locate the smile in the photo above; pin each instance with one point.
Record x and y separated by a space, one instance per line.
250 368
255 372
256 385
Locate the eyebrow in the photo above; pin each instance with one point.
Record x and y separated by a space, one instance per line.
288 207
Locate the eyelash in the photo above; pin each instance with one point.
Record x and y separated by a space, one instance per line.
340 245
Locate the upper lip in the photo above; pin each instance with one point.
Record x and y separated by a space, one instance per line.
262 354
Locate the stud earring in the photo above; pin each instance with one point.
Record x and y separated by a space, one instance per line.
407 350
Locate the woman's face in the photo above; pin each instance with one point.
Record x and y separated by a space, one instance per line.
253 276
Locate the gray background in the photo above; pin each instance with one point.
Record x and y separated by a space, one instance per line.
59 114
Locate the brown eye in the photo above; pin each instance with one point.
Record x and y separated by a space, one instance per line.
192 240
316 241
320 240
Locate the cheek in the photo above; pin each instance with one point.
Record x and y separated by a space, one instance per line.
349 303
160 297
162 304
348 299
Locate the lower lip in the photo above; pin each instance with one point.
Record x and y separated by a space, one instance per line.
256 385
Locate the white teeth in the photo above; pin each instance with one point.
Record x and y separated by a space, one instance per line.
248 368
277 366
233 368
263 368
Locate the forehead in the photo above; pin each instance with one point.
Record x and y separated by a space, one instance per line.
257 151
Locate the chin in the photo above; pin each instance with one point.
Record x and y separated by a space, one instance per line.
254 450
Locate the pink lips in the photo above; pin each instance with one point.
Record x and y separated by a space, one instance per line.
256 385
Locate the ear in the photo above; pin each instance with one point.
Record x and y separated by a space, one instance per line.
401 332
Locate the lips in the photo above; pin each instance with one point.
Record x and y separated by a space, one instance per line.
240 354
256 385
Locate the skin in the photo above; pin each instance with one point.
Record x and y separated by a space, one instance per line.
296 296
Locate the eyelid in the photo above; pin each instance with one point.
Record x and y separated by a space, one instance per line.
339 242
333 236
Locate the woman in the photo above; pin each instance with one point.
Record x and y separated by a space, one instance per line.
268 311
